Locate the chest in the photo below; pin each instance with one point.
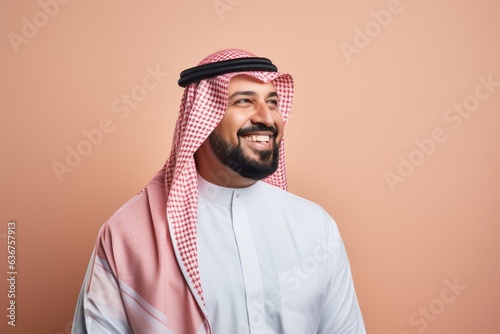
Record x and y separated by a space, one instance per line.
260 272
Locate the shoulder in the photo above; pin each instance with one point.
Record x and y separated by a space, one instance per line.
305 211
292 201
136 215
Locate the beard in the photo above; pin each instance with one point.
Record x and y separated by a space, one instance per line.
235 158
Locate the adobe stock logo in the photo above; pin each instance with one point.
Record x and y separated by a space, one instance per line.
223 6
430 312
363 36
453 117
122 107
30 28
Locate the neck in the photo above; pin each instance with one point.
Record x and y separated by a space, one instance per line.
224 177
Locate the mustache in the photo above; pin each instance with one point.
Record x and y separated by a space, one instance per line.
257 127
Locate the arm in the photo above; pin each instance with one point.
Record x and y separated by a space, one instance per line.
99 308
341 313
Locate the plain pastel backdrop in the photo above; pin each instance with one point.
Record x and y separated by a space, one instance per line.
376 136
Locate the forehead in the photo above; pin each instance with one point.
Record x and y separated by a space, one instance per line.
248 83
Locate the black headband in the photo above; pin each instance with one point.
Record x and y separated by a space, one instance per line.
205 71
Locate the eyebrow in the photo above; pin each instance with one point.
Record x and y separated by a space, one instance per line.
251 93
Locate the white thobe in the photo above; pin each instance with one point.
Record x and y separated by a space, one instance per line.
272 262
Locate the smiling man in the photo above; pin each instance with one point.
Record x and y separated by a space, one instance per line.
215 243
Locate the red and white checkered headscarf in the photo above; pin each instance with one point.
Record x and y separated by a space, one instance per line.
203 106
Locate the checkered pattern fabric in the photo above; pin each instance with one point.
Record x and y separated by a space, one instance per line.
203 106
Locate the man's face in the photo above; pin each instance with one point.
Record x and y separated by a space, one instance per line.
248 136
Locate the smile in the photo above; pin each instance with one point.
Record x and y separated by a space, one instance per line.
257 138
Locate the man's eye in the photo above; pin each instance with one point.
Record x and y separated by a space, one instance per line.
242 101
273 102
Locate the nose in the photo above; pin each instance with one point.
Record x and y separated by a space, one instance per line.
263 114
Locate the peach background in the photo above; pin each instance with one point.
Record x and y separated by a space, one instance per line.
351 121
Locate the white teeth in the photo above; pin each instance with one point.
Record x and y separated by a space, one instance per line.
259 138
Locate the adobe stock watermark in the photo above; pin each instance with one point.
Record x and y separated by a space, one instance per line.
296 277
452 117
429 313
223 6
31 26
121 108
293 278
364 35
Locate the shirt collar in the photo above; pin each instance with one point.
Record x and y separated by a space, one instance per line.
227 196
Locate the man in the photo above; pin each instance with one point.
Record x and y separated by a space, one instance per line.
206 247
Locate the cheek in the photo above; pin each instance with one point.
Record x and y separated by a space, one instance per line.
227 131
280 126
230 124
